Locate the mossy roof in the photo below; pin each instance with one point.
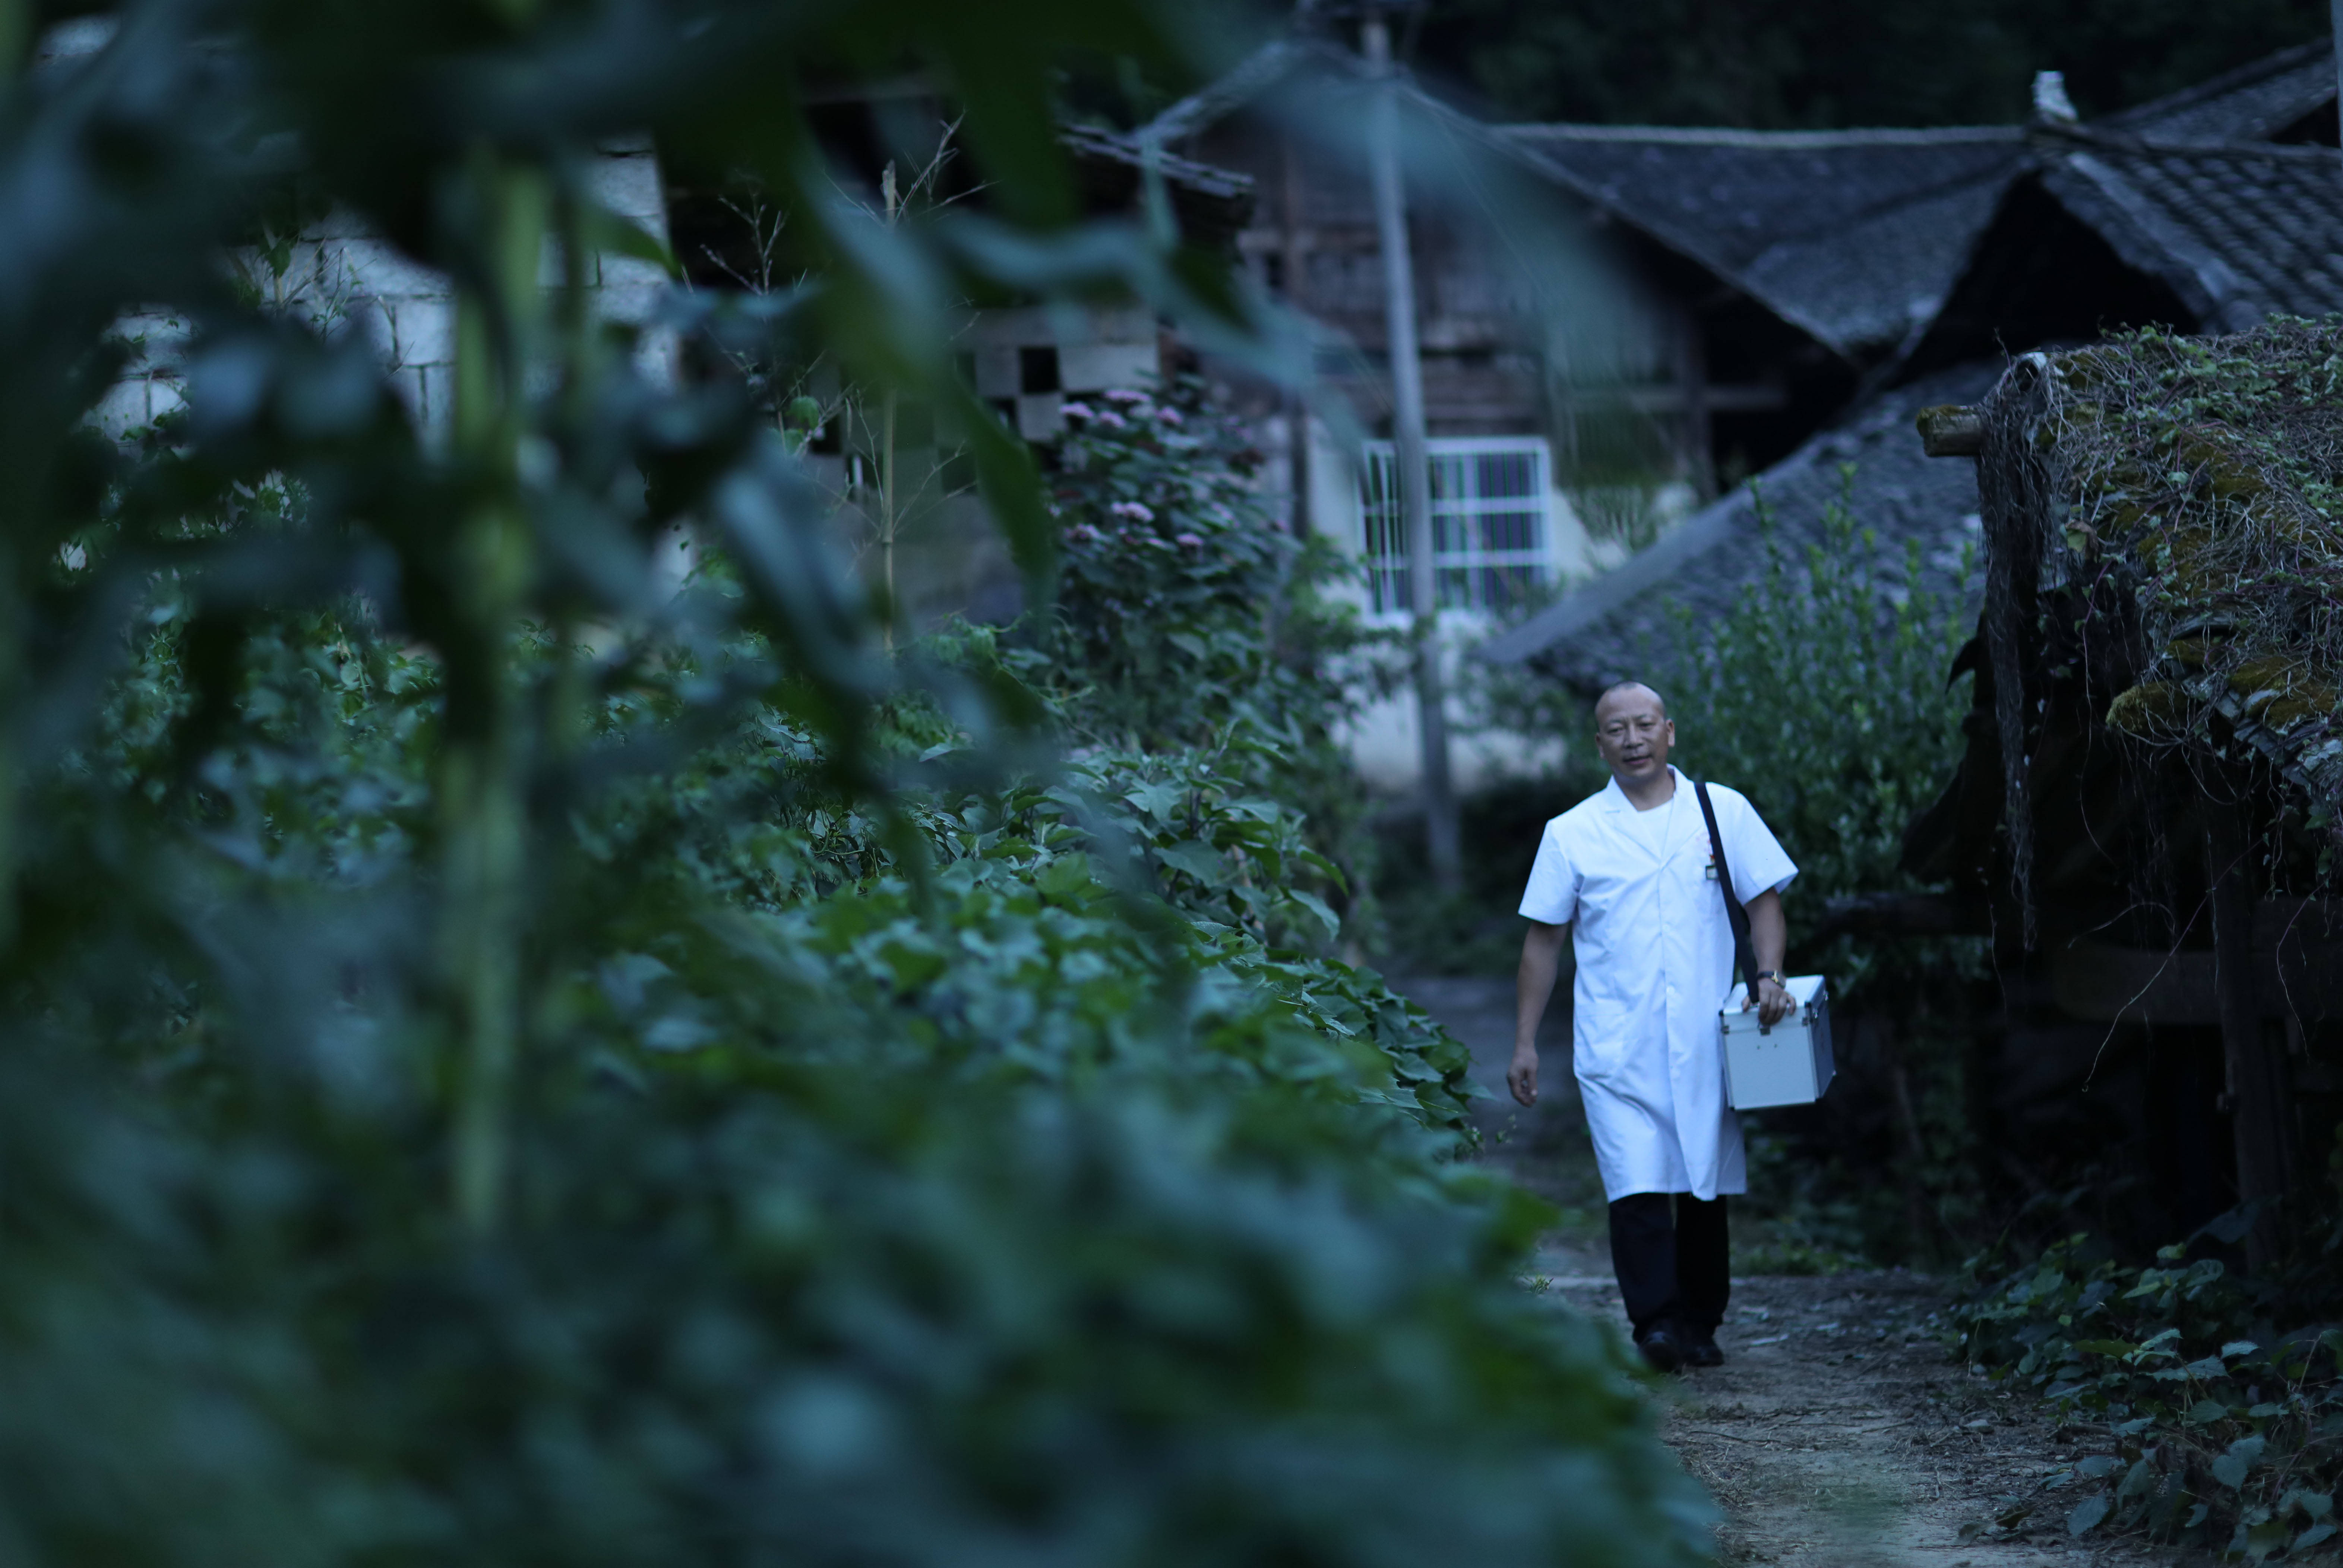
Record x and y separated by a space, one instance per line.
2193 489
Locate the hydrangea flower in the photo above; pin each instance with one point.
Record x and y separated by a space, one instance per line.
1169 417
1193 541
1124 395
1083 533
1137 511
1111 420
1077 411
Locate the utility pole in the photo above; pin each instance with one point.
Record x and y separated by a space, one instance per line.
1294 263
1440 822
2335 38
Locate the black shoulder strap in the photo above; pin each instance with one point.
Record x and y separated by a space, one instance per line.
1732 910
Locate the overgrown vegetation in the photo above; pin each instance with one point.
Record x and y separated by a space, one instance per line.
2210 1426
1821 694
2196 479
2173 498
511 1063
1186 618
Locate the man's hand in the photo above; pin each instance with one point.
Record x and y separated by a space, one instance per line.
1532 984
1522 1076
1769 936
1774 1003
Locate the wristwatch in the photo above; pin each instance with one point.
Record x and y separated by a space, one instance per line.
1774 975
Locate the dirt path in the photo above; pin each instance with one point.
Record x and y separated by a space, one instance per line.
1839 1434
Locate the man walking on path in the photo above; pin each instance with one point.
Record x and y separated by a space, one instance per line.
1631 872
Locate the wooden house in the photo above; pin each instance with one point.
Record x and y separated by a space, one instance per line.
2205 211
1635 317
2147 818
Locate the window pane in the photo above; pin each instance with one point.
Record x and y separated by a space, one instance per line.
1509 531
1447 478
1504 588
1507 474
1488 524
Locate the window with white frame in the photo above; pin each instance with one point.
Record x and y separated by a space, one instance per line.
1492 527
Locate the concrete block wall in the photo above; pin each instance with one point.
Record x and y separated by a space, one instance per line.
1027 362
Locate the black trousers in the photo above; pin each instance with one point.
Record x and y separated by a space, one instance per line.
1672 1268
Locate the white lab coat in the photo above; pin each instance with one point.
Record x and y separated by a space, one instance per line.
1654 964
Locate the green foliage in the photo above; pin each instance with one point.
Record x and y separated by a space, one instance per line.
1164 532
1185 618
510 1063
1821 694
2211 1427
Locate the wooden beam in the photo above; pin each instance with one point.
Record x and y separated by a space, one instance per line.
1880 915
1692 377
1295 256
1950 430
1742 398
2260 1124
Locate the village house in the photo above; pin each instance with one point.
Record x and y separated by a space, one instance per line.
2153 770
1025 362
1616 323
2208 210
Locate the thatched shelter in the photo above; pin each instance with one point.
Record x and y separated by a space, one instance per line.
2146 820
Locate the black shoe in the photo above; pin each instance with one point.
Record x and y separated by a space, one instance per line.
1700 1348
1663 1351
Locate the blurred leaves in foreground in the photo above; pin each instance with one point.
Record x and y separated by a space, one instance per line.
507 1062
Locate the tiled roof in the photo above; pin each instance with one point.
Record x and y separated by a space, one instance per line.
1625 620
2250 104
1212 204
2240 232
1854 235
1805 181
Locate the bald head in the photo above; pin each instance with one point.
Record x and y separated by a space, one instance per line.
1633 732
1632 690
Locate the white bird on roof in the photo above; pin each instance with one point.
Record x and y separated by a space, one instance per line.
2050 100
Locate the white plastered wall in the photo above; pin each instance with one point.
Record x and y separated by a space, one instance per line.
343 276
1384 738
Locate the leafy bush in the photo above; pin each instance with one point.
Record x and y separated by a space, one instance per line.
1821 694
2213 1428
1185 618
507 1064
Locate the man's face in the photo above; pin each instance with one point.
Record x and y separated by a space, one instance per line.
1633 733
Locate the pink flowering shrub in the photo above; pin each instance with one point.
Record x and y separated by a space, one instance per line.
1183 607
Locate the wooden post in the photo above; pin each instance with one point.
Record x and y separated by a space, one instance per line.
1443 835
1691 380
2256 1069
1297 407
2335 38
